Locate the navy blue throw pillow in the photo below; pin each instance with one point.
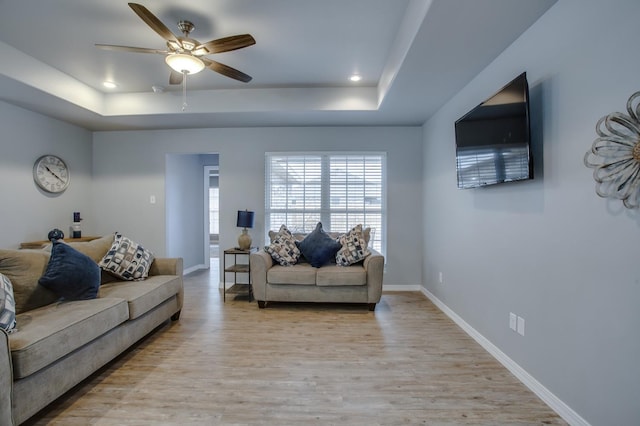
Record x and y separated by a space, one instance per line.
70 274
318 247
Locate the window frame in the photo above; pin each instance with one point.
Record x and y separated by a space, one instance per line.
325 210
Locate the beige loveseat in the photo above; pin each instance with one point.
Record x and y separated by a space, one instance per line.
57 344
357 283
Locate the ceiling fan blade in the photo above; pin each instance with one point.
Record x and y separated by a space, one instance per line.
175 77
227 44
226 70
130 49
153 22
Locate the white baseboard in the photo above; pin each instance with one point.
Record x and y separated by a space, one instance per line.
555 403
194 268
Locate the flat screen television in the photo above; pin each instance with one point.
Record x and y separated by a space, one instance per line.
493 140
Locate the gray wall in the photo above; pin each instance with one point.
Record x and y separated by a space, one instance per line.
549 250
130 166
28 213
184 190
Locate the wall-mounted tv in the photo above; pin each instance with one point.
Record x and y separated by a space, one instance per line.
493 139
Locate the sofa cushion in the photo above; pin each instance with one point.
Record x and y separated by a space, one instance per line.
318 247
366 233
353 247
283 248
299 236
24 268
127 259
95 249
7 305
335 275
297 274
71 274
142 296
51 332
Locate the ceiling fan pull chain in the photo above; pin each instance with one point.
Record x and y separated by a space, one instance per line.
184 90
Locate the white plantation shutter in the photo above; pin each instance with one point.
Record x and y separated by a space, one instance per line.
340 190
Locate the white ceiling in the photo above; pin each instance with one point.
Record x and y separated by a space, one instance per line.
413 55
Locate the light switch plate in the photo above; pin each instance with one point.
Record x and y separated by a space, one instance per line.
513 319
521 326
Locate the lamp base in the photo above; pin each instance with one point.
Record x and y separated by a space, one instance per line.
244 240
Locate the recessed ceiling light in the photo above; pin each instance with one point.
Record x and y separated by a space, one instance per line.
109 84
355 78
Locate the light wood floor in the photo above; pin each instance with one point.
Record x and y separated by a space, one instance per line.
301 364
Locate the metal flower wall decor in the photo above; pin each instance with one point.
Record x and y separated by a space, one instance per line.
615 155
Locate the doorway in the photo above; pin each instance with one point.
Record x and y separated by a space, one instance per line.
212 190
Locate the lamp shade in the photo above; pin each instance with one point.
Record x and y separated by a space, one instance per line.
245 219
182 62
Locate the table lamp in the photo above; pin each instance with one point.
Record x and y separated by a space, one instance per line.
245 220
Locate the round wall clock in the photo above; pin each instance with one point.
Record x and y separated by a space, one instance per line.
51 174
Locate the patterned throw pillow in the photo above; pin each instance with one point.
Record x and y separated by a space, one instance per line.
127 259
283 248
7 305
354 247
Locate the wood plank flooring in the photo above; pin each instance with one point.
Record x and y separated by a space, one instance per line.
293 364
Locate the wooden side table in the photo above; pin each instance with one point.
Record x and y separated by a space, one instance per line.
42 243
237 267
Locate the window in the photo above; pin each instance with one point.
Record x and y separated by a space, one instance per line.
340 190
214 211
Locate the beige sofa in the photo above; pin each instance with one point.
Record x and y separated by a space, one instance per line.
59 344
358 283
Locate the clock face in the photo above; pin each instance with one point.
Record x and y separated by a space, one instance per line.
51 174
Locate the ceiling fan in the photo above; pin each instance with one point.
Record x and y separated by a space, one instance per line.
186 55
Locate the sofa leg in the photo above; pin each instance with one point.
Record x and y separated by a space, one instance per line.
261 304
176 316
372 306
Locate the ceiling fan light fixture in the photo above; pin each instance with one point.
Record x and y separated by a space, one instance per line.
184 63
174 46
185 55
187 44
200 51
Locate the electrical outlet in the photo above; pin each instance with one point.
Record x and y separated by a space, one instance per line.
521 326
513 320
440 277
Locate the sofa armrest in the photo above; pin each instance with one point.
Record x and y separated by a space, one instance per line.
169 266
374 266
166 266
6 380
260 262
